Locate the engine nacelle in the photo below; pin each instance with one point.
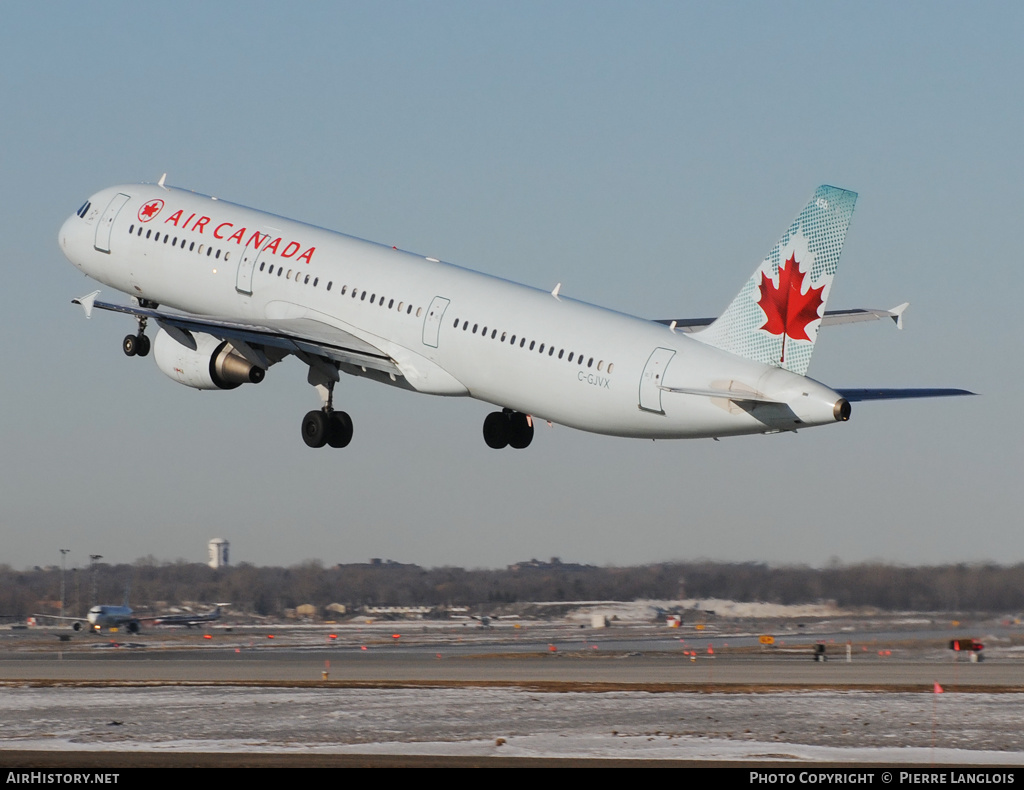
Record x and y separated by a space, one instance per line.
212 365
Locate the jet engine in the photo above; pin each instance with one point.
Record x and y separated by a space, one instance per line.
213 364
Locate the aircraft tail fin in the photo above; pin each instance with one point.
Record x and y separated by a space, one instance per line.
776 315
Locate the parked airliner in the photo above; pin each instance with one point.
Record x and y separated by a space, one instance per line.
246 289
192 620
111 616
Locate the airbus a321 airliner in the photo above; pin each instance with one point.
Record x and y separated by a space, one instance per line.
247 288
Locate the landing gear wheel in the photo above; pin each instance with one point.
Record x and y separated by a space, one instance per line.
130 345
339 433
520 431
315 429
142 345
496 430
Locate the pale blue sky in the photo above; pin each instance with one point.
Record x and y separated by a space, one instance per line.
646 155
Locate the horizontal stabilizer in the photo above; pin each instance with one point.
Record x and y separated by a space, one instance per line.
900 394
831 318
733 395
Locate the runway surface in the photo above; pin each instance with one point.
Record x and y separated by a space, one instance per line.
388 693
616 658
618 672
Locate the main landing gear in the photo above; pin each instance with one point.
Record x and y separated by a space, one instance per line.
327 426
137 345
507 428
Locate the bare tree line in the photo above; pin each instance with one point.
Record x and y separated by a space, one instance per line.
272 590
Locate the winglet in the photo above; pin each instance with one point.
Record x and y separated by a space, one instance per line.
558 288
896 314
160 183
86 302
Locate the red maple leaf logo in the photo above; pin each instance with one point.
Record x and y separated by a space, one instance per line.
150 210
788 311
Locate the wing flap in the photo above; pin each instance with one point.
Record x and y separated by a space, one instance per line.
300 335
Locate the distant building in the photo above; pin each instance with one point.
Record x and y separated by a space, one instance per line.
306 611
417 612
218 553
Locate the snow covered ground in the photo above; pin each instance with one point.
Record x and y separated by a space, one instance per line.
835 726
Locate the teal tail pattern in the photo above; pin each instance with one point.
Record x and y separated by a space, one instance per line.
776 316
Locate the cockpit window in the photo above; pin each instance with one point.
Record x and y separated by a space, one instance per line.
84 209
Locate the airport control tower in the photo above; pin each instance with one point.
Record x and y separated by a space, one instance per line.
218 553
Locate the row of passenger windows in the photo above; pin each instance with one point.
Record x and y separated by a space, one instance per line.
210 251
408 309
271 269
541 347
361 295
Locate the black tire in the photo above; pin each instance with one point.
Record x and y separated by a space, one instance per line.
315 428
340 433
130 345
496 430
142 346
520 432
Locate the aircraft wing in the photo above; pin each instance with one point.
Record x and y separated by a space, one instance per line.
854 395
62 619
831 318
304 333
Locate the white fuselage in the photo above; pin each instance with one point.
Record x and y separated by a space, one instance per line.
448 330
104 616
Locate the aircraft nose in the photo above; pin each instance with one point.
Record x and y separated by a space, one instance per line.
69 237
66 234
